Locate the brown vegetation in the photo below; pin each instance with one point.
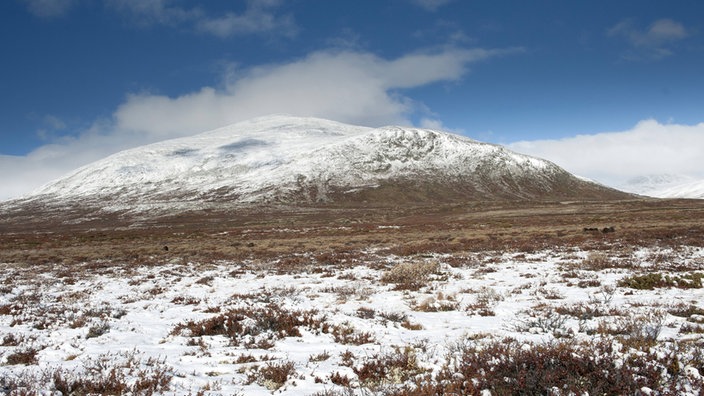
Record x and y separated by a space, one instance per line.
335 236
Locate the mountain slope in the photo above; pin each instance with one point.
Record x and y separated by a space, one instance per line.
281 160
693 190
649 185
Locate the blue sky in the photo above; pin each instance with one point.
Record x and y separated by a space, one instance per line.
82 79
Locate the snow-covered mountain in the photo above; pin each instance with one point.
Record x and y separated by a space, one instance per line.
651 184
666 186
291 160
693 189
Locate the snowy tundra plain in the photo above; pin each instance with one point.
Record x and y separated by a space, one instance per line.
626 320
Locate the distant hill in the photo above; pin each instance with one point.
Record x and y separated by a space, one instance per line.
666 186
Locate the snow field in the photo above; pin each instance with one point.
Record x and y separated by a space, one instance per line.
244 328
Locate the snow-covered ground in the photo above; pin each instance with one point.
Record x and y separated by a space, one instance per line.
250 328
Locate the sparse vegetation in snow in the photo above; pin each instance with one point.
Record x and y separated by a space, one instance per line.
378 324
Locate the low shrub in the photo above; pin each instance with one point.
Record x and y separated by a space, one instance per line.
411 276
485 300
254 326
654 280
685 310
393 368
26 357
272 376
511 367
98 330
105 375
596 261
348 335
433 304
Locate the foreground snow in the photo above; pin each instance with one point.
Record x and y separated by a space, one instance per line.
80 322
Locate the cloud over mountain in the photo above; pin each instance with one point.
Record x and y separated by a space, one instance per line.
348 86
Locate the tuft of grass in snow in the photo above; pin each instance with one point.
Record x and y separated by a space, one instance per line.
411 276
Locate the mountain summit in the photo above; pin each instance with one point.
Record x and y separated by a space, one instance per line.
293 161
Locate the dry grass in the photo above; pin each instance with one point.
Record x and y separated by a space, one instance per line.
411 276
335 237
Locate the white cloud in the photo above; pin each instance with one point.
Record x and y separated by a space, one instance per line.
354 87
54 122
666 30
431 5
49 8
155 11
20 175
347 86
259 16
649 148
432 123
651 43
